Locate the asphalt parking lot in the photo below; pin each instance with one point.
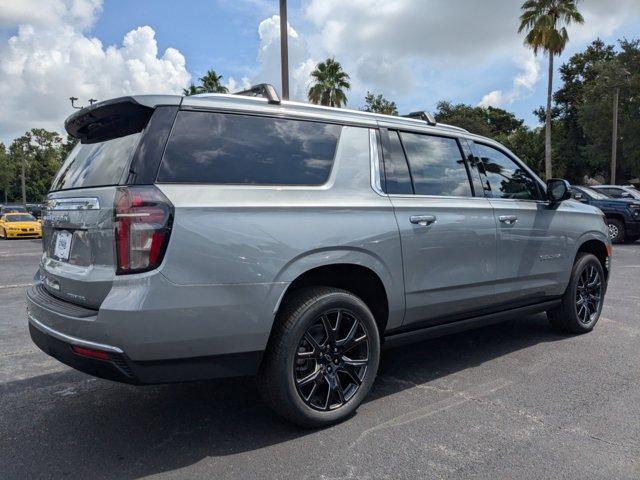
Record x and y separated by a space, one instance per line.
514 400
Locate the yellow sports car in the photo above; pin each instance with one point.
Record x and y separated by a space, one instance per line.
19 225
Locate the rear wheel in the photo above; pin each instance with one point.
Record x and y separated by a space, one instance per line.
632 239
3 234
616 230
582 301
322 357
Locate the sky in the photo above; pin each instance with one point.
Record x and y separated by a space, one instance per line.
415 52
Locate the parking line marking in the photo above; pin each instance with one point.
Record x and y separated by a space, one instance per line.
16 285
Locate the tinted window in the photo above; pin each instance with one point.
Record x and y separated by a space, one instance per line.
436 164
506 178
95 164
398 180
236 149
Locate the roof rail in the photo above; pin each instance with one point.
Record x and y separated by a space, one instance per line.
264 90
424 116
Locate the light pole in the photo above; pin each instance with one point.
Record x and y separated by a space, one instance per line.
284 50
23 182
618 77
614 134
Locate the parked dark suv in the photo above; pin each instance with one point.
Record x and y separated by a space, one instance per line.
216 235
623 215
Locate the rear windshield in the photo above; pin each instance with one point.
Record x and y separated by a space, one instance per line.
218 148
96 164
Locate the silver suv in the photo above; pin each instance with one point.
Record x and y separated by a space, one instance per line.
223 235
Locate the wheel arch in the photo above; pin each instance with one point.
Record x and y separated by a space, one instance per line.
356 271
598 247
616 216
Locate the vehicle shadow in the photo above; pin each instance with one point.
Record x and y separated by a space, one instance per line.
69 424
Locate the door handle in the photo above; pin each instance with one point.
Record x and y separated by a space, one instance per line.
423 220
508 219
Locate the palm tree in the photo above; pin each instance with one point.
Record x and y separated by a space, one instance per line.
545 22
191 90
212 83
329 84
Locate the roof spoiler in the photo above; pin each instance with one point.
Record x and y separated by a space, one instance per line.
264 90
109 119
424 116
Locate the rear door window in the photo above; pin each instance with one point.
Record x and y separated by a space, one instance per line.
219 148
437 165
96 164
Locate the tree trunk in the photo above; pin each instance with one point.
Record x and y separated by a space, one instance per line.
547 133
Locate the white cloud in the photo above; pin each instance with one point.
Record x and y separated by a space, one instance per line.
300 62
81 13
435 37
234 85
523 83
47 62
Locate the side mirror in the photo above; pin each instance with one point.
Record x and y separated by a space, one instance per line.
558 190
626 195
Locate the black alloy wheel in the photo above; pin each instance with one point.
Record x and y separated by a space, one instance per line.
332 360
581 304
589 290
322 357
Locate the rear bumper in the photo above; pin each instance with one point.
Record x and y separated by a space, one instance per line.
51 343
47 316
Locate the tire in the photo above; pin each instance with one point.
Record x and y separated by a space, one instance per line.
299 349
3 234
570 316
616 230
632 239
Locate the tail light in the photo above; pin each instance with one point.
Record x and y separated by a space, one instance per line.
143 225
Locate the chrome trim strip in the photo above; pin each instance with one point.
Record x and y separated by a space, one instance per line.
376 183
69 339
75 203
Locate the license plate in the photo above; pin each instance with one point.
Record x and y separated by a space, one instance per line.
63 245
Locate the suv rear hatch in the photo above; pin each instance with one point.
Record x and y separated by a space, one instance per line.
80 224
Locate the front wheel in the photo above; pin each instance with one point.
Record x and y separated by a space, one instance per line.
322 357
582 301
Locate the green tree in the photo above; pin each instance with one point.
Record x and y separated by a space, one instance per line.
191 90
212 83
489 122
582 111
329 84
379 104
7 173
545 22
569 99
42 152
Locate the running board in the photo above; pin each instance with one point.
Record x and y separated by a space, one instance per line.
435 331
